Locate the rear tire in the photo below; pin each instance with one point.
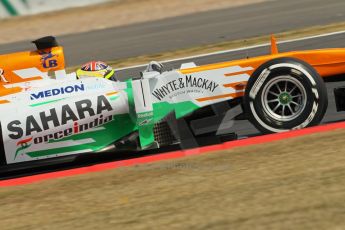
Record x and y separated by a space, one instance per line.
285 94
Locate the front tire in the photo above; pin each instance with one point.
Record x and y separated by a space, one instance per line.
285 94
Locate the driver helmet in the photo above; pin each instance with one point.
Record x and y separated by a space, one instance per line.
96 69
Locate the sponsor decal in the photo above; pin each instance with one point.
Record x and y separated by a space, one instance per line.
58 91
96 86
189 82
2 76
145 118
52 119
48 59
76 129
145 115
145 122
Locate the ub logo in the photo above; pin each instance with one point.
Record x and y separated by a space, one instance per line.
48 60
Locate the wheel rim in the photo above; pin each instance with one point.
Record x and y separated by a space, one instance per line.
284 98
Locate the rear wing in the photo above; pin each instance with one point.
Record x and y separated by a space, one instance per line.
32 65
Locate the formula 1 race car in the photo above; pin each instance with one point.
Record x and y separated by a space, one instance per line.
46 113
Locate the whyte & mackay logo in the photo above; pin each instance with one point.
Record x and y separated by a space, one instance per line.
189 82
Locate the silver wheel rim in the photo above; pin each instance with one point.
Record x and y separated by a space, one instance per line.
284 98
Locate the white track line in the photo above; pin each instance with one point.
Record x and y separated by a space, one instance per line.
238 49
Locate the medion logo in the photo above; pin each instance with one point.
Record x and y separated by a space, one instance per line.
58 91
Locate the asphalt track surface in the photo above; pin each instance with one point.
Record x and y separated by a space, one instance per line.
195 29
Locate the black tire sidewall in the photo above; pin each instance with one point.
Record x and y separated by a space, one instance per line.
315 89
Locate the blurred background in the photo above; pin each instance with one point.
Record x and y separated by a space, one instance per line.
117 29
10 8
